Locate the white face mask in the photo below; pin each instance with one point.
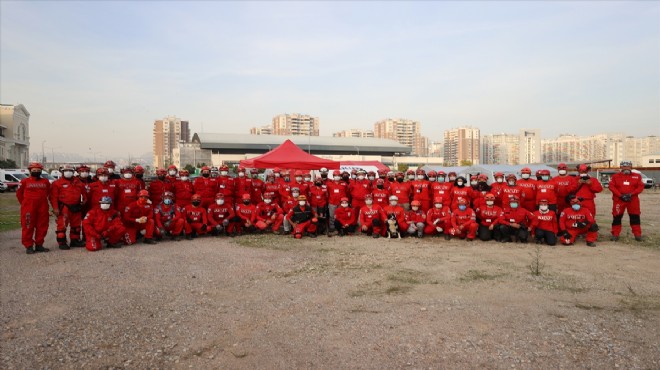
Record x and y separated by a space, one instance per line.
584 174
459 183
452 178
219 202
111 170
489 202
562 172
337 178
411 177
500 180
103 178
241 174
105 206
393 202
344 205
360 177
308 179
415 208
84 175
276 174
431 179
128 176
298 178
184 178
543 208
473 182
295 195
302 202
172 172
420 177
438 205
267 201
223 173
68 174
371 178
512 183
368 201
525 176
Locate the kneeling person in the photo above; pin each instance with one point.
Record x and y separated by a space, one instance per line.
103 223
302 219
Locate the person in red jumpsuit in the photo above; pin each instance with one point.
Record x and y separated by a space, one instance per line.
438 218
242 184
415 220
172 172
528 185
488 216
318 200
626 187
566 185
32 194
544 224
246 213
393 211
139 216
359 189
112 172
442 188
337 190
103 223
509 190
479 192
269 215
302 219
103 187
496 187
300 184
220 216
159 186
515 222
183 189
168 218
379 194
272 189
345 218
575 221
257 190
402 190
460 190
206 187
226 185
547 189
463 221
421 190
86 180
371 218
67 196
127 189
587 188
287 203
138 172
196 218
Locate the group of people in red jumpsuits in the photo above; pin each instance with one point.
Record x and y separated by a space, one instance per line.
114 209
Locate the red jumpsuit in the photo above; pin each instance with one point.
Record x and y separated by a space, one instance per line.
67 196
196 220
457 192
544 226
403 191
336 191
621 184
157 188
257 190
415 222
302 186
183 192
421 190
487 217
100 224
243 185
168 218
398 213
371 219
248 215
381 197
345 218
528 200
226 187
438 217
33 196
303 217
138 210
221 215
207 188
519 216
464 224
442 190
588 193
127 192
358 190
547 190
565 186
506 192
272 189
269 215
496 190
98 190
570 221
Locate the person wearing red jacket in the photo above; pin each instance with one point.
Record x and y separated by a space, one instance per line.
488 216
421 190
127 189
460 190
302 219
496 187
272 189
103 223
544 224
479 192
415 220
359 189
371 218
183 189
345 218
246 215
575 221
626 187
393 211
288 202
67 196
300 184
528 185
102 188
379 194
587 188
32 194
112 173
318 200
463 221
226 185
269 215
242 184
139 176
221 217
337 190
548 189
159 186
509 190
402 190
515 222
196 218
566 185
172 171
438 219
257 190
168 218
206 187
139 216
86 180
442 188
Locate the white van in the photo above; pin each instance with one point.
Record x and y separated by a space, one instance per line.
12 177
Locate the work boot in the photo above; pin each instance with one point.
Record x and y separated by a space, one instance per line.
614 238
29 250
447 237
312 235
149 241
76 244
376 235
40 249
189 237
639 238
64 247
591 244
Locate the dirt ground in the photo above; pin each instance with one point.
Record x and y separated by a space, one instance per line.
276 303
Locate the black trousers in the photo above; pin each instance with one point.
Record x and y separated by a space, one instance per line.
546 236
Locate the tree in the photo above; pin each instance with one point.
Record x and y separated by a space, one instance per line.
402 167
8 163
190 168
465 163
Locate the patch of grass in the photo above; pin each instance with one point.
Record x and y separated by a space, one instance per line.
407 276
10 212
560 282
478 275
267 241
398 289
588 307
639 303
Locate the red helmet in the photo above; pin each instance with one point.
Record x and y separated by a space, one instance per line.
296 189
462 201
511 176
246 196
224 167
380 182
205 168
35 165
172 167
139 169
371 173
276 170
127 169
489 196
353 171
184 173
583 168
410 172
420 172
473 177
442 173
196 197
343 199
432 173
543 200
437 200
482 177
102 171
452 173
240 169
168 194
526 170
82 168
415 203
562 166
66 167
368 196
544 172
399 174
109 164
219 196
575 200
143 193
538 172
499 174
268 196
298 173
513 198
382 172
161 172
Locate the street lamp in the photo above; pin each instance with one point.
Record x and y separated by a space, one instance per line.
43 153
356 148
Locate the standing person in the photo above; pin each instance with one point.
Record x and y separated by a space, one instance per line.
302 219
196 217
528 185
575 221
496 187
460 191
67 196
103 187
464 221
139 216
242 184
32 194
318 200
206 187
587 188
380 194
515 222
359 189
371 218
183 189
139 176
272 189
160 186
510 190
402 190
168 218
269 215
103 223
566 185
442 188
226 185
172 171
438 219
221 216
112 170
345 218
626 187
547 189
421 189
488 216
257 190
337 190
544 224
127 189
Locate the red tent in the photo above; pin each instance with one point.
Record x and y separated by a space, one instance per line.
289 155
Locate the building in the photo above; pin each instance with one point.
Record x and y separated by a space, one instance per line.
263 130
436 149
462 146
15 134
354 133
405 131
500 149
168 133
636 148
295 124
651 160
574 149
190 154
529 145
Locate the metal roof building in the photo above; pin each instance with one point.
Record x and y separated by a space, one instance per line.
317 145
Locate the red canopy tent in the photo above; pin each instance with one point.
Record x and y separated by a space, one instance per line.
289 155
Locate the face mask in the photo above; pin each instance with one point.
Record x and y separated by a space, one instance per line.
513 205
353 176
295 195
489 202
545 178
241 174
267 201
184 178
525 176
172 172
371 178
105 206
432 179
393 202
345 178
103 178
246 202
438 205
626 172
420 177
299 179
324 175
276 174
576 207
360 178
139 175
308 179
167 201
68 174
128 176
452 178
441 179
344 205
302 202
379 186
499 180
196 203
460 183
111 170
473 183
462 207
318 183
368 201
415 208
206 175
84 175
223 173
543 208
390 179
399 179
161 177
512 183
584 175
411 177
562 172
336 178
36 174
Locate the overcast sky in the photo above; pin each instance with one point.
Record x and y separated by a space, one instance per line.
97 74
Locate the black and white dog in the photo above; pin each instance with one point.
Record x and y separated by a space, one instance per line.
393 227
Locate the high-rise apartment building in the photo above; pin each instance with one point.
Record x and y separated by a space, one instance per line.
500 149
295 124
168 133
462 145
15 134
530 146
405 131
573 148
354 133
636 148
263 130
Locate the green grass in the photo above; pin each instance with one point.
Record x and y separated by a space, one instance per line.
9 212
478 275
267 241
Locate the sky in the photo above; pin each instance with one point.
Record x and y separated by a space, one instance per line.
95 75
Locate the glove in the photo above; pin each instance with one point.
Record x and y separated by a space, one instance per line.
566 234
626 197
439 229
581 224
162 231
204 227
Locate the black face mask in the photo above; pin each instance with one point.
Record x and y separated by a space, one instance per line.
399 179
35 174
390 179
206 174
379 186
196 203
161 178
345 178
139 175
324 175
318 183
246 202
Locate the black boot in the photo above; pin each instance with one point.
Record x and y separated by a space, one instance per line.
29 250
149 241
40 248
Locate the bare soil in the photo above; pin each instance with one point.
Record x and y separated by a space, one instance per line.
273 302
